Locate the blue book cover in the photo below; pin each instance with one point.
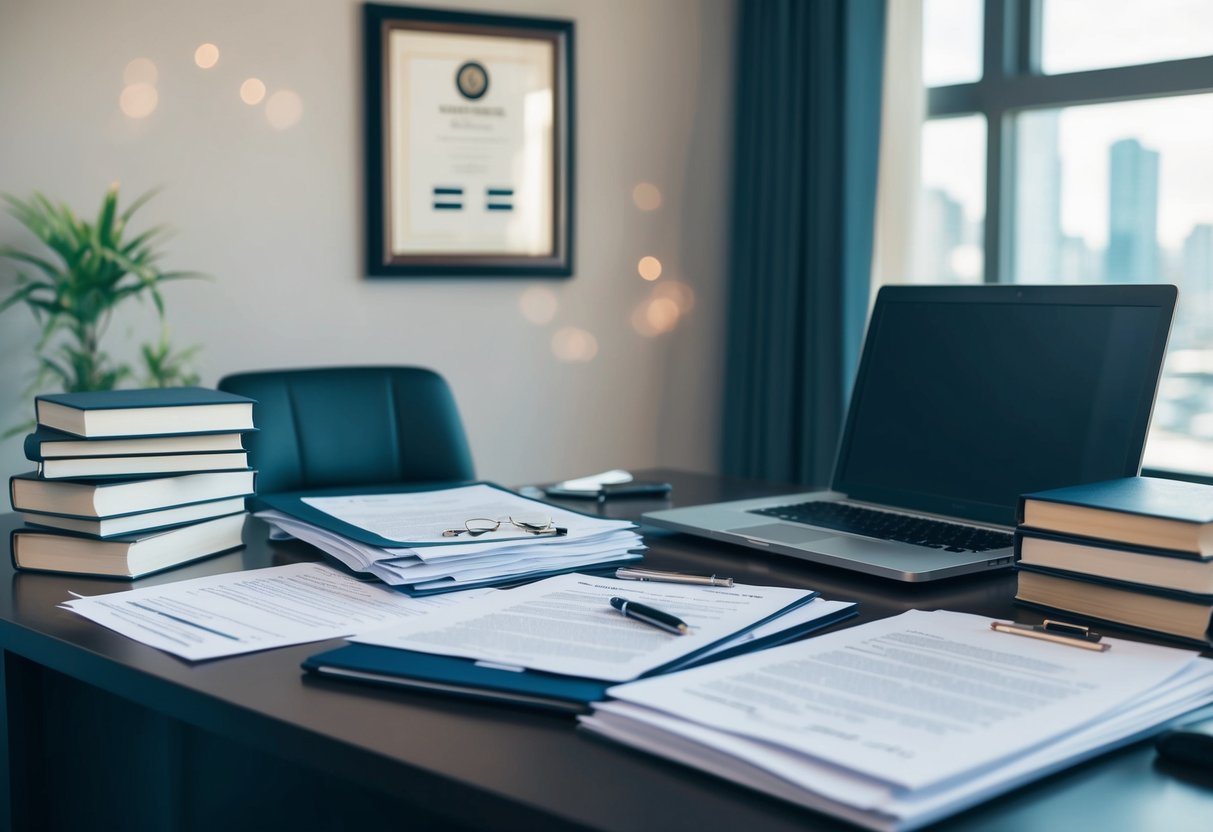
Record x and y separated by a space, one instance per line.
1187 502
144 397
158 411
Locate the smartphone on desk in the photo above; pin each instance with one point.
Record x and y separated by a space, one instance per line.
635 489
612 491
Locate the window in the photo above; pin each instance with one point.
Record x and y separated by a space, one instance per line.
1072 141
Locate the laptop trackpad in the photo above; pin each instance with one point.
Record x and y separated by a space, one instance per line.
782 533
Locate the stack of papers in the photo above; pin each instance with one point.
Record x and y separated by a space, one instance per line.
559 643
901 722
399 538
243 612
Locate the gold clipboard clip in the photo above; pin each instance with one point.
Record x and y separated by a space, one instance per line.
1073 635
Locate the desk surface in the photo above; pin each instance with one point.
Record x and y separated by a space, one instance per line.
481 764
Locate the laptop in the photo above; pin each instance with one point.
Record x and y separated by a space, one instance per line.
965 398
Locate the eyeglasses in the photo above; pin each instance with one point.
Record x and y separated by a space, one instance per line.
531 524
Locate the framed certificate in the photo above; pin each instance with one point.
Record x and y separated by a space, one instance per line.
469 148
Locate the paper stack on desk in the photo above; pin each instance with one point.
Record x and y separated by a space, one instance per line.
404 539
901 722
560 643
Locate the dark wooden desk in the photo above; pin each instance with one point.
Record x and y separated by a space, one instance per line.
104 733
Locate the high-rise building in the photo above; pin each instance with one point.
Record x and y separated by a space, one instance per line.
1038 249
940 234
1132 255
1077 262
1197 282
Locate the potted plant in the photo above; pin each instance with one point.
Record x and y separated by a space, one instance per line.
74 289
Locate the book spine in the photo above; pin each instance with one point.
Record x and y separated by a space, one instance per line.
33 447
12 493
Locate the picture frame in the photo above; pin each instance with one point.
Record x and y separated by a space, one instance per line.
469 144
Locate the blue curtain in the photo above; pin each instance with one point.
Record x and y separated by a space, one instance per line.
804 193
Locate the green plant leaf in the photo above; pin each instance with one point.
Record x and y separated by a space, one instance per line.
73 287
139 202
103 232
47 267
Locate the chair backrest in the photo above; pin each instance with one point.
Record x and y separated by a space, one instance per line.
343 426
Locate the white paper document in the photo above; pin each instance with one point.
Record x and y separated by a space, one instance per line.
900 722
406 545
565 624
425 568
421 517
241 612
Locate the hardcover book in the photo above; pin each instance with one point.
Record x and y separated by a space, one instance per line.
129 557
1175 614
144 521
111 498
48 443
147 412
1143 511
146 466
1162 568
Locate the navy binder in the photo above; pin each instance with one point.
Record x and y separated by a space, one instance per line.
459 677
292 503
493 682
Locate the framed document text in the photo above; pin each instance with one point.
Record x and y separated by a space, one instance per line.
469 143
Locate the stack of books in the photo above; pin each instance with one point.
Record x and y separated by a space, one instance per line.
1136 552
131 482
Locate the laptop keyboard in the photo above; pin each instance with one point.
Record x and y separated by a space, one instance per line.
887 525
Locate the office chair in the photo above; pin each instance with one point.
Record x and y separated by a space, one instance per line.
327 429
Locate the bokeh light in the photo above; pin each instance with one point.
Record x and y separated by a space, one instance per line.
680 293
138 100
655 316
649 268
664 308
284 109
252 91
538 305
647 196
140 71
206 55
574 345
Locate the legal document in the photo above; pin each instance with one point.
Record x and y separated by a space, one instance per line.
565 624
241 612
900 722
421 517
400 538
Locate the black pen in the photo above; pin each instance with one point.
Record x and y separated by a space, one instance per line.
653 617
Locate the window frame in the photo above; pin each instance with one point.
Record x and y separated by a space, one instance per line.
1011 82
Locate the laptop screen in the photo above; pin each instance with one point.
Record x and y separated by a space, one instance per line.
969 396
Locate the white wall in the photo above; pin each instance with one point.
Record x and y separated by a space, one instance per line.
275 215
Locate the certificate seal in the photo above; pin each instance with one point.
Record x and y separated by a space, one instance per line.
472 80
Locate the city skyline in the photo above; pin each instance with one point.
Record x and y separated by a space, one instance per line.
1131 245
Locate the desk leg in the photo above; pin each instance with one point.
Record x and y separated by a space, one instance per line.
17 720
6 752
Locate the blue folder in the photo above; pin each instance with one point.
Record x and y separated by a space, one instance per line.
292 503
456 676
